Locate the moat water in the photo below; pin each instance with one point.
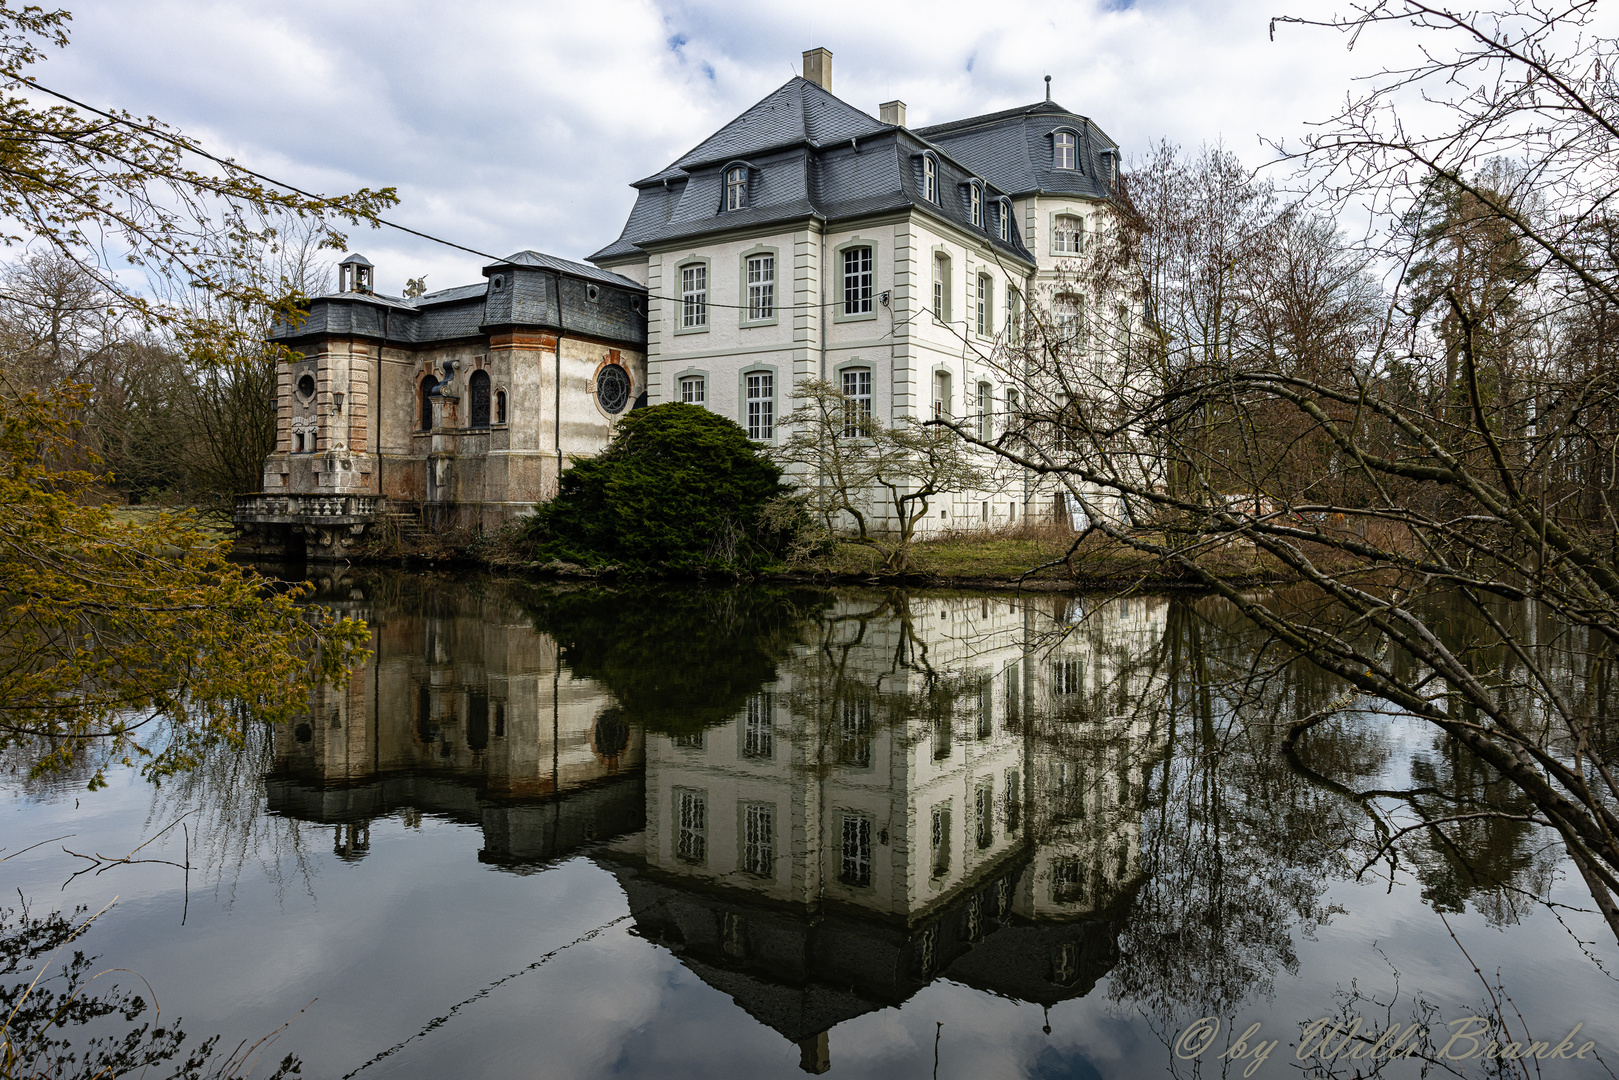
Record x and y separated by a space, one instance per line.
701 832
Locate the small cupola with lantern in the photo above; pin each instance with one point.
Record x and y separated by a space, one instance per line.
354 274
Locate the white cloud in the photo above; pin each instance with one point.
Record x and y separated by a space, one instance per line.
508 125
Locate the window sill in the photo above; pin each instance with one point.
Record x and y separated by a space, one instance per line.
679 330
750 324
863 316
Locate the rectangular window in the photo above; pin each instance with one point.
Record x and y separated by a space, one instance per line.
1014 805
941 288
758 729
1068 238
759 839
1004 220
976 201
1064 147
693 296
854 742
1014 315
762 287
984 815
693 391
691 835
941 394
855 867
986 322
857 281
761 406
986 412
689 742
1012 682
736 188
1067 676
856 402
939 845
986 700
1066 881
930 180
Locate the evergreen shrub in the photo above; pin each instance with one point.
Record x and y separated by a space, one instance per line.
678 490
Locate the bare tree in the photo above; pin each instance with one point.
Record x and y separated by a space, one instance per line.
1440 478
873 481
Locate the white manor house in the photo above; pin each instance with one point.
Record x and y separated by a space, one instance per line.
804 240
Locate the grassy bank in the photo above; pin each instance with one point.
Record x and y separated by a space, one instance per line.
1036 557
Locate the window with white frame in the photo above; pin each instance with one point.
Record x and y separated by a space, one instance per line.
694 390
1068 235
761 270
856 402
1012 804
1065 150
759 839
984 814
939 840
855 866
1068 310
941 395
691 826
758 727
761 405
1003 223
983 305
736 188
1014 314
941 288
975 204
1067 676
693 296
986 412
854 741
1012 403
857 280
930 179
694 741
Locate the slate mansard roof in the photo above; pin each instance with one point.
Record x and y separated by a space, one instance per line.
1013 150
808 155
528 289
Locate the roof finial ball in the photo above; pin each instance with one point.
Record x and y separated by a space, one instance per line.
1048 87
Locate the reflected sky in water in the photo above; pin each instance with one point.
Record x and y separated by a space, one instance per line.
669 832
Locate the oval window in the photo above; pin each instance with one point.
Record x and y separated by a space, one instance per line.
613 388
306 387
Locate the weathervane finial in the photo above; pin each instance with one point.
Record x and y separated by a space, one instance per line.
1048 87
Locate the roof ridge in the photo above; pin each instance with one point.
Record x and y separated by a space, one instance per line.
1004 114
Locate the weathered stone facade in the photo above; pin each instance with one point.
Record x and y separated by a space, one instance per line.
457 409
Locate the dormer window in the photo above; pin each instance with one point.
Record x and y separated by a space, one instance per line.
1065 150
1003 220
736 188
930 179
975 204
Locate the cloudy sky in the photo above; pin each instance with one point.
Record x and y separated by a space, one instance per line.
508 125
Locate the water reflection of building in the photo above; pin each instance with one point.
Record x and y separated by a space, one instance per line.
937 787
464 712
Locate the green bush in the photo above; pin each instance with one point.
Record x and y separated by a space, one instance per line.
678 490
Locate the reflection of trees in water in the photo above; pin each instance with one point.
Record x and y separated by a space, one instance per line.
230 830
72 1024
677 659
1238 848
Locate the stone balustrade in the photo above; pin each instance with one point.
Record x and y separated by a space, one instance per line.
308 509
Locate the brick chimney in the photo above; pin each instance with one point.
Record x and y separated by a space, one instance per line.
892 112
818 68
